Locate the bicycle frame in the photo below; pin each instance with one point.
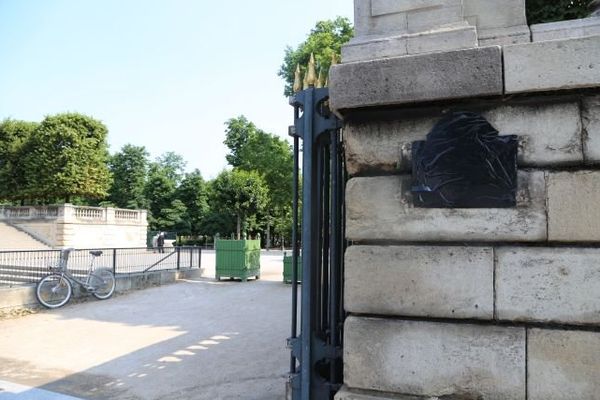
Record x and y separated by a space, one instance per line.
64 272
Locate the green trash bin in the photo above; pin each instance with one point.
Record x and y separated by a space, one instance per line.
287 268
237 259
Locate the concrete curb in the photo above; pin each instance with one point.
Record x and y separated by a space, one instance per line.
24 296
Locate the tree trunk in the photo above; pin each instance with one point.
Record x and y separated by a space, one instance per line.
239 226
268 244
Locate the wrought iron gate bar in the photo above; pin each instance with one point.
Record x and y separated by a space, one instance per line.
317 350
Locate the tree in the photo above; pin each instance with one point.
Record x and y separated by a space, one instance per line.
13 137
539 11
325 41
67 156
252 149
160 193
172 218
173 165
193 193
129 168
241 194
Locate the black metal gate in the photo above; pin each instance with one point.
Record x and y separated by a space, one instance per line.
316 351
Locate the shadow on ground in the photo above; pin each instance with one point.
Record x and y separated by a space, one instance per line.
197 339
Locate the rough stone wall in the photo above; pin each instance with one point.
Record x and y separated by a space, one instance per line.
474 303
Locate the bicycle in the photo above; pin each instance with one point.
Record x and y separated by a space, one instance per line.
56 289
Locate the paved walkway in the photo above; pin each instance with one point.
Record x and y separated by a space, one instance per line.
196 339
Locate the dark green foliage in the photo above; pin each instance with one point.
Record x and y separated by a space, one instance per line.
129 168
13 137
252 149
172 218
325 40
174 203
66 156
240 194
539 11
193 192
217 221
159 192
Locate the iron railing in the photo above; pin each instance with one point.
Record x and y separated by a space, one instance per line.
316 351
29 266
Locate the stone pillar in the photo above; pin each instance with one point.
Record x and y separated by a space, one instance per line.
473 303
391 28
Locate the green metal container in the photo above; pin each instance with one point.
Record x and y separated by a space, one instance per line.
287 268
237 259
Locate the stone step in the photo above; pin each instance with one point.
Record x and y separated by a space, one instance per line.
14 239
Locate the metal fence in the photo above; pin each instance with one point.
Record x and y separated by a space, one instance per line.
29 266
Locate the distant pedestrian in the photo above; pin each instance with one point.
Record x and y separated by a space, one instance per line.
160 242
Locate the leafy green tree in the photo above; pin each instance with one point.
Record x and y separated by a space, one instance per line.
217 221
193 192
129 168
173 166
172 218
325 40
159 192
252 149
539 11
13 137
241 194
65 157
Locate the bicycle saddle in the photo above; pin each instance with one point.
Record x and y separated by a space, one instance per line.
96 253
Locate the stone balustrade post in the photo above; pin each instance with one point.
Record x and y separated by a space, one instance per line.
109 215
66 213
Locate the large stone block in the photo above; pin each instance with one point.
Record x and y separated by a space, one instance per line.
550 134
590 115
573 212
425 77
563 365
435 359
380 208
394 46
552 65
423 281
391 17
548 284
571 29
383 145
498 22
489 14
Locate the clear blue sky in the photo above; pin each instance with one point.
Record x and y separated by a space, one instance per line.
163 74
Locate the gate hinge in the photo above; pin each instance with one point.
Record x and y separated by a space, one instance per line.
323 350
294 381
295 345
293 132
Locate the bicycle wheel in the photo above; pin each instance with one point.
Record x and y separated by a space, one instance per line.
53 291
103 282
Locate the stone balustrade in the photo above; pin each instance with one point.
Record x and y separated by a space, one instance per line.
72 213
79 226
